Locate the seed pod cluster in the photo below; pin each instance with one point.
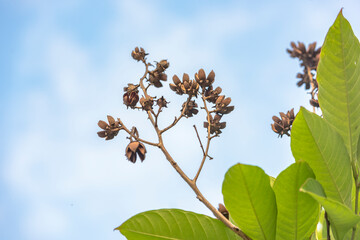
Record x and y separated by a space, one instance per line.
190 108
201 84
158 75
283 126
138 54
186 86
215 124
147 103
131 95
309 59
110 130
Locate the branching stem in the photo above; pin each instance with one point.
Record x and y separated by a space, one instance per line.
191 183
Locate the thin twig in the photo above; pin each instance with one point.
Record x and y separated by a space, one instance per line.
177 119
208 140
197 134
135 137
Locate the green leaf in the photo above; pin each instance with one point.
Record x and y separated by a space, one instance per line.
174 224
298 213
341 217
317 143
338 75
250 200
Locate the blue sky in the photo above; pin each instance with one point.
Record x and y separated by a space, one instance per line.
63 65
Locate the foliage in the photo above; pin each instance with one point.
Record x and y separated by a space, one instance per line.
321 187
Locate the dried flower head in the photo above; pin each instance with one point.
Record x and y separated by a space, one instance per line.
161 102
162 65
222 105
204 81
215 124
131 96
110 130
133 149
187 86
190 108
147 103
309 57
138 54
211 94
283 126
131 99
176 87
305 79
155 77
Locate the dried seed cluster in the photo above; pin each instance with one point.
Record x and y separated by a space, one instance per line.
109 130
200 85
283 126
309 59
203 85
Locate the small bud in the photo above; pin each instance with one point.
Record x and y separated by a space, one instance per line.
161 102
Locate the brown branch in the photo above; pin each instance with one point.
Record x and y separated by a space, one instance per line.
177 119
135 137
197 134
191 183
199 195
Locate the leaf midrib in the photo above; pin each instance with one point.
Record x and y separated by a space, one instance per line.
347 92
326 164
251 202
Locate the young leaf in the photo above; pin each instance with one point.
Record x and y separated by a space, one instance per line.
298 213
338 75
317 143
341 217
251 201
174 224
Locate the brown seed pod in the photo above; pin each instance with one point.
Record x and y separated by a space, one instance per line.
133 149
